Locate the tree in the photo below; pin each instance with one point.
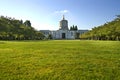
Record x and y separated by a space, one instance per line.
13 29
49 36
74 28
118 16
71 28
107 31
27 23
77 35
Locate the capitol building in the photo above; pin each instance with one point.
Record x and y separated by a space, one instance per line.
63 32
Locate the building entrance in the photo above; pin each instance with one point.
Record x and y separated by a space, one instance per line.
63 36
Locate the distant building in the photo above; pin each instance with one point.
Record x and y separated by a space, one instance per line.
63 32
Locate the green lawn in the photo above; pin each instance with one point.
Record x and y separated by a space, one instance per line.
60 60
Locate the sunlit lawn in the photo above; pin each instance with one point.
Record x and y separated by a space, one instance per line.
60 60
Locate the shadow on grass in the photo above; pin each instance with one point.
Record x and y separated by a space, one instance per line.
2 42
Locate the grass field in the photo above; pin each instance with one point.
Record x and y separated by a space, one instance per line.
60 60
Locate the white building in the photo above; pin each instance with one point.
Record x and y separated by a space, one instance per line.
63 32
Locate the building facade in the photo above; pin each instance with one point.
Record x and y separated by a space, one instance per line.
63 32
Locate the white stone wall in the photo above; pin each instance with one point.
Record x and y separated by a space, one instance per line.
58 34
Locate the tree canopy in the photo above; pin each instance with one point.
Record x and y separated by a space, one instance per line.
13 29
27 23
107 31
74 28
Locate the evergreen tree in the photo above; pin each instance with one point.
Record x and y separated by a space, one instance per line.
27 23
76 28
73 28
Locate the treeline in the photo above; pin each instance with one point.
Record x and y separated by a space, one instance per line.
108 31
13 29
74 28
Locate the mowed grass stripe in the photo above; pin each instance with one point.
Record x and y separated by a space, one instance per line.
59 60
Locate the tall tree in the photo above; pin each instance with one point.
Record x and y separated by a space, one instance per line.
27 23
76 28
73 28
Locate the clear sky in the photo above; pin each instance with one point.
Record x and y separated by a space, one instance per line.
46 14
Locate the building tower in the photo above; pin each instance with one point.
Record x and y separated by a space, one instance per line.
63 24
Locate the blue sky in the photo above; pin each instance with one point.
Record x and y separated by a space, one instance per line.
46 14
